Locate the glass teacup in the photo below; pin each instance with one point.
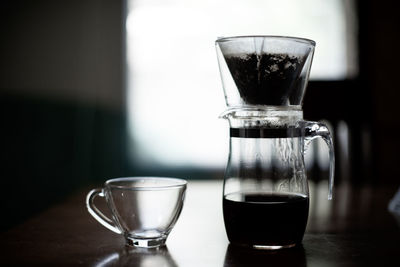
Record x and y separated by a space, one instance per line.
144 209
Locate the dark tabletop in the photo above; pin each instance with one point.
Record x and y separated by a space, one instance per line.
354 229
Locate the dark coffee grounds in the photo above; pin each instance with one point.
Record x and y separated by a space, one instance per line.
267 79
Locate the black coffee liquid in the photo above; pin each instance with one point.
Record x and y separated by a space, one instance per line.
265 219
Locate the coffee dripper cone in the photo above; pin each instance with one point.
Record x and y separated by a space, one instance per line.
260 71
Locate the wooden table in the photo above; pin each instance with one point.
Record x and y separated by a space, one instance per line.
355 229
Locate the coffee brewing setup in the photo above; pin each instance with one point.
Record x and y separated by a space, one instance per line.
265 192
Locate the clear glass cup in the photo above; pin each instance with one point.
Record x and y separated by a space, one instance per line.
144 209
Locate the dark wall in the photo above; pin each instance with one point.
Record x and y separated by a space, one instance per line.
61 100
379 43
64 50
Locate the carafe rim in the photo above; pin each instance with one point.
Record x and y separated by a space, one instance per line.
262 111
290 38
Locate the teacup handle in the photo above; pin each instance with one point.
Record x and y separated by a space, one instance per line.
96 213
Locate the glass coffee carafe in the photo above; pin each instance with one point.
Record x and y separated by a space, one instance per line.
265 195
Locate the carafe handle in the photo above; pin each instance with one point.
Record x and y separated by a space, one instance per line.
313 130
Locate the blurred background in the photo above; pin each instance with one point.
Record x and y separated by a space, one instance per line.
95 89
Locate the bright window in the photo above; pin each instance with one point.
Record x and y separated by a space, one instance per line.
174 89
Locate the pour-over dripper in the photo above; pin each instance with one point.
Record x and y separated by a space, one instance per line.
264 70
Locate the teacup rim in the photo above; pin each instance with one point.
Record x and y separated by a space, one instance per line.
179 182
